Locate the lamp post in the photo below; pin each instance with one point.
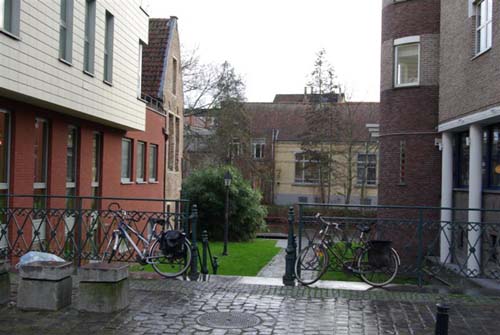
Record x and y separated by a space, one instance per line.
227 182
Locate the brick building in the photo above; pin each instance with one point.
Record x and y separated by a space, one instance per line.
89 105
440 115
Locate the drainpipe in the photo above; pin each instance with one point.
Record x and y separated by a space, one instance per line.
274 139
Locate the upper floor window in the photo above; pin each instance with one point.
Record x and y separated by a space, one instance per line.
89 42
10 16
484 14
66 31
407 64
174 76
108 48
307 169
367 169
258 146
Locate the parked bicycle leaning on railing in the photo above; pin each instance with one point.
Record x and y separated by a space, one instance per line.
376 262
168 251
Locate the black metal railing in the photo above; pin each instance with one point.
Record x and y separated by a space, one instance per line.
78 229
429 248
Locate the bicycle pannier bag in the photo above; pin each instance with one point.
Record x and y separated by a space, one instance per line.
379 254
172 243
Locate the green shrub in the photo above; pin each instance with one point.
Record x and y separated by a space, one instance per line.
206 189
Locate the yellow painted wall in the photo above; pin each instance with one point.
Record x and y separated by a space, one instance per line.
286 188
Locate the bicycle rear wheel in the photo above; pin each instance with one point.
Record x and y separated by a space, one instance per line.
311 264
380 273
170 266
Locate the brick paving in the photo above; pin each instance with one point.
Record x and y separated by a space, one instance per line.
177 307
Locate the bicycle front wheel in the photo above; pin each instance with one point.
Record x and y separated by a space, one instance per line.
311 264
170 266
379 272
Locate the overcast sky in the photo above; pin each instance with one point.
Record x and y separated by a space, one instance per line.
273 43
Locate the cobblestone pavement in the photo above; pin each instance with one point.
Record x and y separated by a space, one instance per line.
176 307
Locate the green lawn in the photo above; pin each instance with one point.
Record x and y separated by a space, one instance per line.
244 258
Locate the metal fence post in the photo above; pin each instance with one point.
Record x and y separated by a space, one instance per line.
420 255
442 319
289 277
79 223
204 255
194 274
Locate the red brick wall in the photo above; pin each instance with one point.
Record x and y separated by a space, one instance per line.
22 163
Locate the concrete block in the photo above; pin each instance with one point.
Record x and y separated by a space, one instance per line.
46 270
103 272
4 282
50 295
103 297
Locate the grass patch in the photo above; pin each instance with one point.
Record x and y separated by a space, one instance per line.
244 258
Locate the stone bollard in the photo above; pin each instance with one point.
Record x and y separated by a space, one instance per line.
4 282
104 287
45 286
442 318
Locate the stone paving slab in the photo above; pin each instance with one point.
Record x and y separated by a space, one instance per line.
177 307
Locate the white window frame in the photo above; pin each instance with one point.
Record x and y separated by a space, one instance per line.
139 70
486 27
153 163
66 32
402 43
303 163
14 15
127 179
140 165
255 143
365 165
108 47
89 37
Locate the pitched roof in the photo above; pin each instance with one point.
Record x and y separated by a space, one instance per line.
153 57
290 118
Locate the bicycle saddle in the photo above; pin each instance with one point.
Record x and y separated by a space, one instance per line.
364 228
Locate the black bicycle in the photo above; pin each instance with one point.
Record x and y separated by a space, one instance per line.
376 262
167 251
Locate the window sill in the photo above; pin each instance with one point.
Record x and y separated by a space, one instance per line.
90 74
9 34
140 182
367 186
142 100
480 54
401 184
125 182
406 86
305 184
108 83
154 182
65 62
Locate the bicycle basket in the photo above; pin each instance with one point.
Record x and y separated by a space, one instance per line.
172 243
379 254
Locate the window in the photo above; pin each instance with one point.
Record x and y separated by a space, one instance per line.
41 153
171 143
235 147
484 10
126 160
367 169
258 146
108 48
462 174
66 30
141 162
307 169
153 163
174 75
96 168
402 162
494 174
139 70
71 163
407 64
10 12
89 42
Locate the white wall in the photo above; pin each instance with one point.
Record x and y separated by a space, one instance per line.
30 66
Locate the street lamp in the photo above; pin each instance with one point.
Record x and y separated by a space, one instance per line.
227 182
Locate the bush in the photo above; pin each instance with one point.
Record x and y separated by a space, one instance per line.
206 189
